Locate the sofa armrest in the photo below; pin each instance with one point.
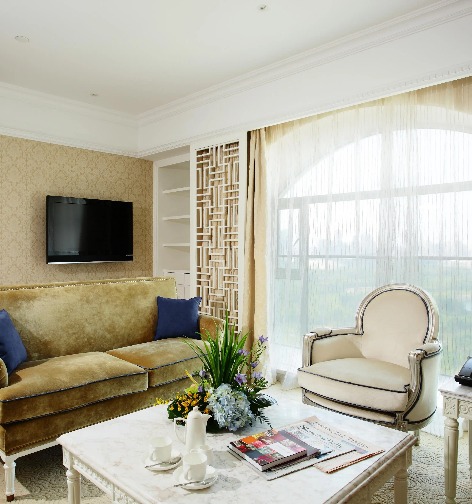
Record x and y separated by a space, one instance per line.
210 326
3 374
327 344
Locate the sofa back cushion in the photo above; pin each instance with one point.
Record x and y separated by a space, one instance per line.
68 318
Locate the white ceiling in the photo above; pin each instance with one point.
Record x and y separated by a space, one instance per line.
138 55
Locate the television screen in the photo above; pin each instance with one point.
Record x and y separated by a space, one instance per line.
88 230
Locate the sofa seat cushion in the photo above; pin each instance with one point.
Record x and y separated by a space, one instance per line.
349 381
165 360
49 386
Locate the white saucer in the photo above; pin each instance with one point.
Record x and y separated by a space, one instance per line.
211 476
164 466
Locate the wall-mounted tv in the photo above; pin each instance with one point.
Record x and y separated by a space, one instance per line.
82 230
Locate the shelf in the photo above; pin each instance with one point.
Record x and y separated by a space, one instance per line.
173 216
176 190
176 245
176 218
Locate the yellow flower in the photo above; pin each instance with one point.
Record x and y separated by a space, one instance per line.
161 401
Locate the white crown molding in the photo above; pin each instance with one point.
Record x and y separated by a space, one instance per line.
30 96
70 108
402 26
66 142
439 76
425 80
128 125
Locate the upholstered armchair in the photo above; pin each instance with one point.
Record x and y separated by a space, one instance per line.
386 368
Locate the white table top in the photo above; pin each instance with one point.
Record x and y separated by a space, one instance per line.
116 449
452 388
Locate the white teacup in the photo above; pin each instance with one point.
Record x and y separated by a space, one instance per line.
207 450
161 449
194 466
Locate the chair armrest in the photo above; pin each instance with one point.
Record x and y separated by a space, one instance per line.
430 348
3 374
327 344
424 365
210 326
415 358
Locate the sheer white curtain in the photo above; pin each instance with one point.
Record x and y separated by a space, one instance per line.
370 195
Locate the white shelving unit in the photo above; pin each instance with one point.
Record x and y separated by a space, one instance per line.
172 220
182 280
176 190
176 245
177 217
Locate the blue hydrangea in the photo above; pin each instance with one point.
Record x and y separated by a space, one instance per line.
230 408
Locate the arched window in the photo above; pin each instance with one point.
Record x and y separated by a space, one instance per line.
376 194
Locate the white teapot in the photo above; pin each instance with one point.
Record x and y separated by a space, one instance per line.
195 429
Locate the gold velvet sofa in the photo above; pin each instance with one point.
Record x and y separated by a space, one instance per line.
91 357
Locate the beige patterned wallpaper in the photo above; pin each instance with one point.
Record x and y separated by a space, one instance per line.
29 171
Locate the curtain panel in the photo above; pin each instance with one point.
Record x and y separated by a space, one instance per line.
365 196
254 320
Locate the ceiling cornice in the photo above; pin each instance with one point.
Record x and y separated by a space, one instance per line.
437 77
30 96
66 142
402 26
36 99
439 13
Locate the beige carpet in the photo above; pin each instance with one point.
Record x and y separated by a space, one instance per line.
41 478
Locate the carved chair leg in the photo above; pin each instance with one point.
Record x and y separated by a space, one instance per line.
9 467
417 436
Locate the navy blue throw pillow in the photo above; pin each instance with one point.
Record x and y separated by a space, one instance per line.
12 350
177 317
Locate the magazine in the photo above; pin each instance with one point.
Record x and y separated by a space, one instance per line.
273 447
359 450
327 448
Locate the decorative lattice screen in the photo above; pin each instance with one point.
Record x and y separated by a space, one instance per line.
217 200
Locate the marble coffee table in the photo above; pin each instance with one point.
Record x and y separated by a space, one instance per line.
112 455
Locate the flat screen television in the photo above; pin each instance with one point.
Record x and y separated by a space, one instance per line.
82 230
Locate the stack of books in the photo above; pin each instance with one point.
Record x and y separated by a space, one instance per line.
299 445
273 447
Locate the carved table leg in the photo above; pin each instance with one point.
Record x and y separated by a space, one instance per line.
400 486
73 486
451 438
9 467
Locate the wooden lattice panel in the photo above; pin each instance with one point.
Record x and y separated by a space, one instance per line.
217 198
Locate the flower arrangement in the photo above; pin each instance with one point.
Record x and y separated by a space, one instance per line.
228 386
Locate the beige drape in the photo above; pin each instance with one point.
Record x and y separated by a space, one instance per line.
254 316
